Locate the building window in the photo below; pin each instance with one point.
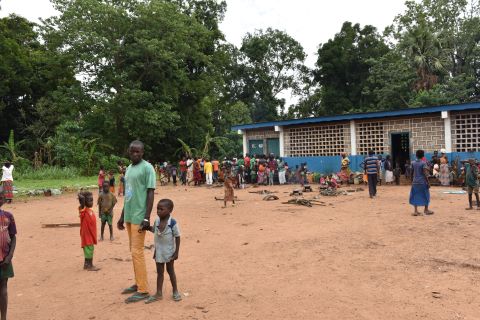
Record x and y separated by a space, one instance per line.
465 132
316 141
370 136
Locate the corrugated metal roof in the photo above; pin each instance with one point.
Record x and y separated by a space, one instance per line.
359 116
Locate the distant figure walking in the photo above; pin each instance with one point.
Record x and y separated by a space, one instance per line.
372 169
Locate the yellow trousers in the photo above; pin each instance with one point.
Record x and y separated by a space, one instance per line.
137 243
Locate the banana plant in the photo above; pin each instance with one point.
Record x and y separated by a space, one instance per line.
12 147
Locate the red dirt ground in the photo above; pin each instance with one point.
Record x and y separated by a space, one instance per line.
354 259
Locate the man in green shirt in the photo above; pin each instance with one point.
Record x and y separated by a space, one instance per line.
140 183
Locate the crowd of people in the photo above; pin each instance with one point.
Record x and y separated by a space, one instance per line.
255 169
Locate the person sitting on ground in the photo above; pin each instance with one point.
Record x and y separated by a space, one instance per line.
471 181
106 202
167 246
8 242
332 182
88 227
436 172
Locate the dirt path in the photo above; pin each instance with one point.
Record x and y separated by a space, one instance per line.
355 259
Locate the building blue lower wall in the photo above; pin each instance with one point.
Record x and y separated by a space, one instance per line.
330 164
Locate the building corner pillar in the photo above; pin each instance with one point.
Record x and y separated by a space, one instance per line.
281 140
448 130
245 141
353 138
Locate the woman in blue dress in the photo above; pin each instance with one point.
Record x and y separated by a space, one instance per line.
420 192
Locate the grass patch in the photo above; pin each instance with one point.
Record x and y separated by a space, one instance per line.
75 182
47 173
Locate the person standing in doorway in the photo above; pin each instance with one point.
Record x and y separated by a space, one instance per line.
388 170
140 183
372 168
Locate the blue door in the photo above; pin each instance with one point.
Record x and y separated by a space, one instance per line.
273 146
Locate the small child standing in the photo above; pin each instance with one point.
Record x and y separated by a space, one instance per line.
101 178
173 172
106 202
111 181
167 246
471 180
8 241
228 187
88 228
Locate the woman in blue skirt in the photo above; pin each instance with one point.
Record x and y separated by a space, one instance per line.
420 193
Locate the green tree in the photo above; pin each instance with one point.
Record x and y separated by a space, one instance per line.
29 72
273 62
390 83
343 67
147 67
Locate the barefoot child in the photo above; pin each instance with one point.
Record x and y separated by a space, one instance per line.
228 187
88 228
167 246
106 202
8 240
111 180
471 180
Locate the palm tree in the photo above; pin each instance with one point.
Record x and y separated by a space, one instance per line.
425 51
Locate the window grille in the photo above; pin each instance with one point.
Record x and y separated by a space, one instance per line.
370 136
316 141
466 132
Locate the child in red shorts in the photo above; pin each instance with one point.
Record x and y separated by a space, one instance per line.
88 228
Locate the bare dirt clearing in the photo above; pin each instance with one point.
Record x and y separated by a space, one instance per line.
355 258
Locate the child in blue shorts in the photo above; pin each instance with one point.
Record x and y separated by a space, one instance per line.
167 246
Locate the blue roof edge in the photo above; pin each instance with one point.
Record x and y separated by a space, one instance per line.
357 116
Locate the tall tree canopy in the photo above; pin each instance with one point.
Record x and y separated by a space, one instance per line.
273 62
343 67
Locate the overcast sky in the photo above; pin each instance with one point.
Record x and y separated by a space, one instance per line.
310 22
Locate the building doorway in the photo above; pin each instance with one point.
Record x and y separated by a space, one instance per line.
400 149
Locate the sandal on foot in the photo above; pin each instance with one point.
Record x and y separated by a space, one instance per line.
471 208
152 299
416 214
177 297
429 213
137 297
131 289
